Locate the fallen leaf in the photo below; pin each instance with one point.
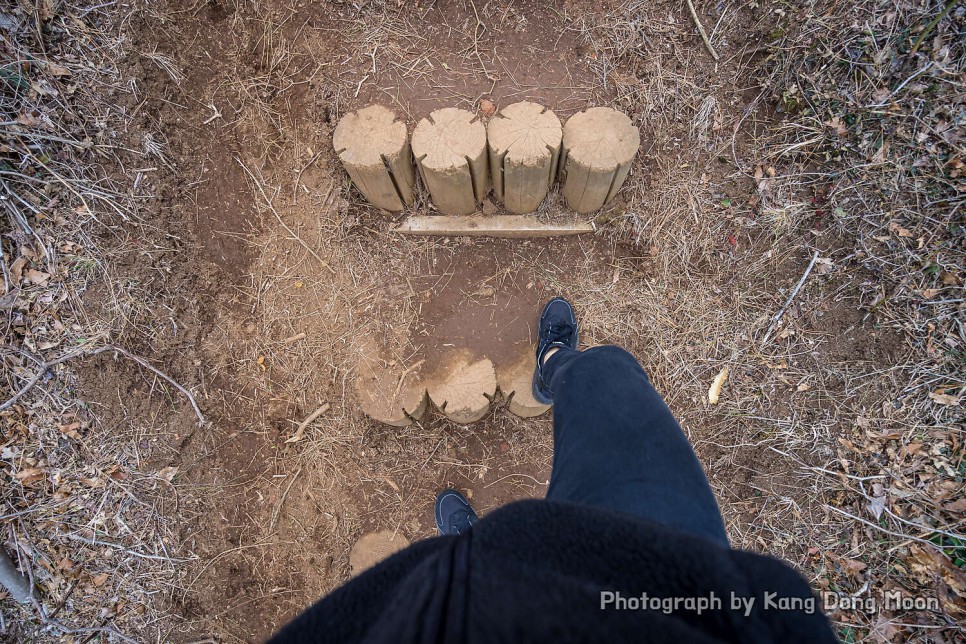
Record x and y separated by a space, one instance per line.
98 580
899 230
35 277
56 70
167 473
854 566
487 107
943 398
30 475
261 363
823 266
714 392
876 506
930 293
16 269
71 430
9 300
949 279
837 125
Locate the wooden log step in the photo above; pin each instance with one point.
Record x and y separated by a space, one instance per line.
599 145
373 146
524 143
515 380
450 150
373 548
512 226
392 395
462 387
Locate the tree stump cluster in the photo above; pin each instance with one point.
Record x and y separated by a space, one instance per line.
521 151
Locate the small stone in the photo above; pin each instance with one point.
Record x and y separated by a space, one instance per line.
487 108
489 208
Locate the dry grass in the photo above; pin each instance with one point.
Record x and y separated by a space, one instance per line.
82 517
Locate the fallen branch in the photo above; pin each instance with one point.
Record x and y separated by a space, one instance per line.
932 25
87 353
798 287
704 34
300 432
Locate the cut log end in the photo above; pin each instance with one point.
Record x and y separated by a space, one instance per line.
526 132
392 395
524 143
373 145
515 380
373 548
601 138
450 149
599 146
463 387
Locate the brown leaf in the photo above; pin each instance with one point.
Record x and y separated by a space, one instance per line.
98 580
9 300
71 429
487 108
899 230
837 126
30 475
959 505
35 277
56 70
16 269
948 400
167 473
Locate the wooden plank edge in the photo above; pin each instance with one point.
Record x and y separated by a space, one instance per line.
513 226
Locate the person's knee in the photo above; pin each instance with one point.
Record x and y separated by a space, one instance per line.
610 357
603 365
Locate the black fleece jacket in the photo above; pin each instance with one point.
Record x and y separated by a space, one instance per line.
540 571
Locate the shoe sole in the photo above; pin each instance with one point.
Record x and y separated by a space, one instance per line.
537 394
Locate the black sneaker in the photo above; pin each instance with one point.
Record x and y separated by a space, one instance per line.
557 328
454 515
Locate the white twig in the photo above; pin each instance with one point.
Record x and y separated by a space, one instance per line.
798 287
704 35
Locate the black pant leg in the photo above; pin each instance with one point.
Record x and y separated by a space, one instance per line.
617 445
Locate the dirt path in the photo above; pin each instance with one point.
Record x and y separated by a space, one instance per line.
272 316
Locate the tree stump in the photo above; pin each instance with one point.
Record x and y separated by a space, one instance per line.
599 145
462 387
524 147
450 151
374 547
391 395
515 380
373 146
